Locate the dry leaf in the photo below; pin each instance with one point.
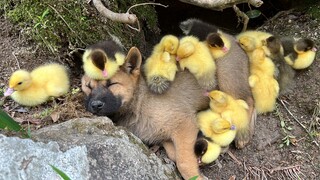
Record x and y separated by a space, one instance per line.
55 116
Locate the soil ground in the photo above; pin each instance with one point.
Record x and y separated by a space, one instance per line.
292 125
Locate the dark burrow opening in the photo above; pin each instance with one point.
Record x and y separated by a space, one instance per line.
176 12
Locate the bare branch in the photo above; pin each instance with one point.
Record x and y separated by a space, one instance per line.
221 4
118 17
242 17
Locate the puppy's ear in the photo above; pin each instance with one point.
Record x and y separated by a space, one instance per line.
133 61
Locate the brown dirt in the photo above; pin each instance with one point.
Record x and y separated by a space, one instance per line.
261 159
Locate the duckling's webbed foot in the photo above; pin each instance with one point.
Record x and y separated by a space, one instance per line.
159 84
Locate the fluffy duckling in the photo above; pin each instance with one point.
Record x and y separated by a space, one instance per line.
102 60
248 44
206 150
196 57
303 55
31 89
265 88
219 129
219 44
257 36
222 103
261 64
160 68
274 50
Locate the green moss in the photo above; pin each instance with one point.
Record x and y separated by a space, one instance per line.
68 24
314 11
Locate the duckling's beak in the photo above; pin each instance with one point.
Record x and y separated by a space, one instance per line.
105 73
314 49
225 49
8 92
178 58
206 93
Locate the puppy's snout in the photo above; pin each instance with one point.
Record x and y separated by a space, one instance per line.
97 105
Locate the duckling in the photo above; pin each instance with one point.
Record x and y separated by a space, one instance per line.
196 57
261 64
248 44
303 55
274 50
206 150
31 89
222 103
219 129
256 36
197 28
265 88
219 44
160 68
102 60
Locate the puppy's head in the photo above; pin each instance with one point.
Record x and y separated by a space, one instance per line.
107 97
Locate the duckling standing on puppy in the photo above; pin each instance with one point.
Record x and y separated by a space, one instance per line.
265 88
196 57
219 44
160 68
31 89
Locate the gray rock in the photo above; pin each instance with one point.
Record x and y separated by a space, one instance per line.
83 149
25 159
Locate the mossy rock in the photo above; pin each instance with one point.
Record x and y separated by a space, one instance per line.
67 25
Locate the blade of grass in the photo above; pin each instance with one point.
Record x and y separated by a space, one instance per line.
6 122
61 173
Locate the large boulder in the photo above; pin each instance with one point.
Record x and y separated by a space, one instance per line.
83 149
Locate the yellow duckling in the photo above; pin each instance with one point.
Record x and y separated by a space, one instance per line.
219 129
31 89
160 68
265 88
219 44
102 60
248 44
207 151
303 55
257 36
234 109
196 57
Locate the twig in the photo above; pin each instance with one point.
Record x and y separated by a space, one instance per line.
136 5
314 140
234 158
284 168
157 4
18 64
241 15
127 18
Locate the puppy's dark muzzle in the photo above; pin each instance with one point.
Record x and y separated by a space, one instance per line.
102 102
96 105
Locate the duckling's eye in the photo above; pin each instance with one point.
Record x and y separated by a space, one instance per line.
19 83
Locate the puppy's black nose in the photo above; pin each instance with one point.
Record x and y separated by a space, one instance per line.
96 105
